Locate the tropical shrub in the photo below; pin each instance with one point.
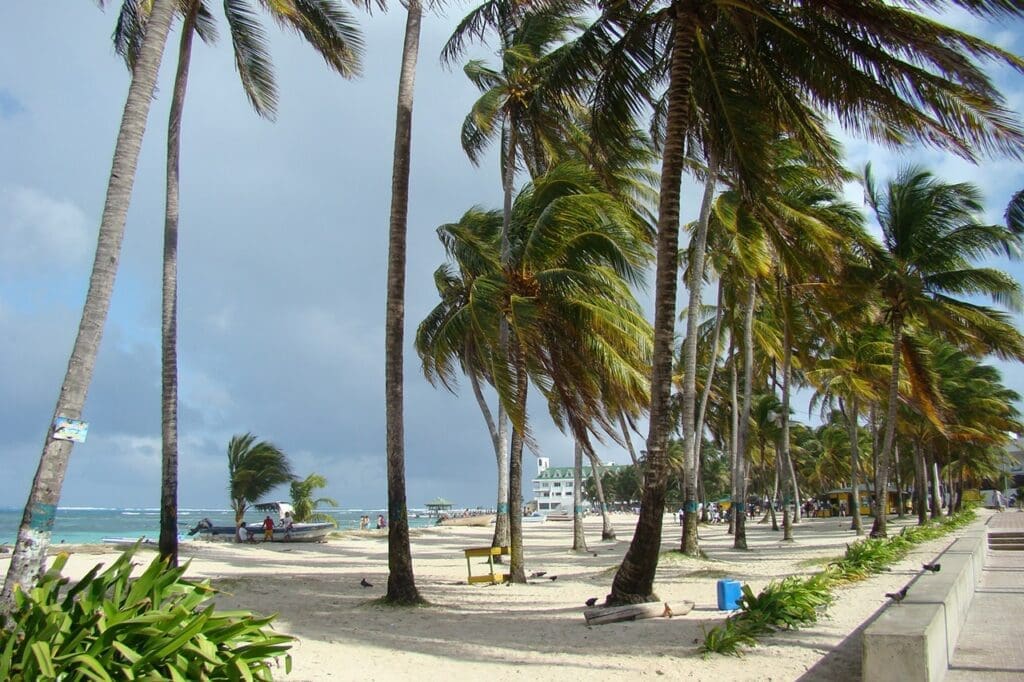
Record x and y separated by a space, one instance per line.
110 626
785 604
793 601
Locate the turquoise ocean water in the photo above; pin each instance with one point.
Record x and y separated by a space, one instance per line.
88 525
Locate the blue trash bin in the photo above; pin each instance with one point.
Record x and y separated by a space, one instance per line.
729 595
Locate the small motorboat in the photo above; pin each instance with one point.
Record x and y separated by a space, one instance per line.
284 529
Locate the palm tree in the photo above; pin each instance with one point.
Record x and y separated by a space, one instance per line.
329 28
931 88
254 469
575 329
932 234
446 336
851 372
401 580
304 503
512 108
27 561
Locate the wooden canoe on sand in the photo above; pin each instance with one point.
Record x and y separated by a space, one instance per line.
598 615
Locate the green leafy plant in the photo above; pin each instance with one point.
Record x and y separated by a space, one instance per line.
728 638
110 626
794 601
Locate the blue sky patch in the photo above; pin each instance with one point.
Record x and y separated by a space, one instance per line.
9 104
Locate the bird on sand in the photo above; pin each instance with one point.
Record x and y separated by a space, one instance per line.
591 601
538 574
934 568
365 583
898 596
554 577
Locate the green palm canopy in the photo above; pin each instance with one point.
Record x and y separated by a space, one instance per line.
254 469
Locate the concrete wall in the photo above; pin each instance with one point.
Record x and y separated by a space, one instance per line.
914 640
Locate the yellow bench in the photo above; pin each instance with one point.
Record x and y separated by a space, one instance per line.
490 553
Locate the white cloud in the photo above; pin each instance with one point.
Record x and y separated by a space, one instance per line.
35 228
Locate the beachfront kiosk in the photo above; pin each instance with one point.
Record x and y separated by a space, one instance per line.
844 496
438 506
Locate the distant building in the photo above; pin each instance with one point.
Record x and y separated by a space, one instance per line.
553 487
1015 463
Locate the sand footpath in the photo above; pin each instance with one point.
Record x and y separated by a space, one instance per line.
536 631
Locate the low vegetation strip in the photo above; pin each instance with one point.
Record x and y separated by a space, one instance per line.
110 626
794 602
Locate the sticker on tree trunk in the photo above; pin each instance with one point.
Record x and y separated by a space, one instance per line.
70 429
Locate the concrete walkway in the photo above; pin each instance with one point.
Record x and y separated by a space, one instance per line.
991 643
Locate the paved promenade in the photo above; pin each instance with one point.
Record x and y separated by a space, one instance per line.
991 644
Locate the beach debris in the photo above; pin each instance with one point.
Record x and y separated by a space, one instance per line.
599 615
591 601
898 596
365 583
934 568
538 574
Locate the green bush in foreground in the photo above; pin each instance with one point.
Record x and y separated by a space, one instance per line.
793 601
110 626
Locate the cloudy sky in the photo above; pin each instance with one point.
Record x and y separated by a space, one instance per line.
282 261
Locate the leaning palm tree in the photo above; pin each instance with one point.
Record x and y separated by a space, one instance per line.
574 326
36 527
305 504
329 28
881 68
446 337
254 469
932 235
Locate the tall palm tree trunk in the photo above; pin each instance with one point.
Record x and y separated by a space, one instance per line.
169 316
607 529
788 483
401 581
691 438
933 471
920 485
900 513
739 502
579 539
634 581
499 440
27 561
851 421
738 509
629 441
516 562
775 491
878 529
712 362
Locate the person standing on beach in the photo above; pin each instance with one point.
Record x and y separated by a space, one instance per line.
268 529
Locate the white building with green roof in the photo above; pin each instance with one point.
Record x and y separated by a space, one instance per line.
553 487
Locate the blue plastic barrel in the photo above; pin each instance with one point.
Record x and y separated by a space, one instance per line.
728 595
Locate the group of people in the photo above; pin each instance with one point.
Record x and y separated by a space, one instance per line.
813 507
716 513
287 523
364 522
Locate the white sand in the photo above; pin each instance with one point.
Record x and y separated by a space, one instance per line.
536 631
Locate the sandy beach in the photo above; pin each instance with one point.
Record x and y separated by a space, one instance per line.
536 630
